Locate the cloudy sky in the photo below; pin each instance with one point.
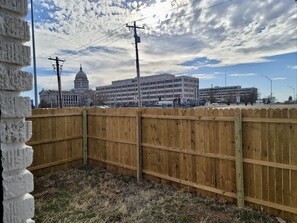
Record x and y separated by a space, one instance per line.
233 42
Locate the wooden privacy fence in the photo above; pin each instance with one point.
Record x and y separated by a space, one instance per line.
247 155
56 139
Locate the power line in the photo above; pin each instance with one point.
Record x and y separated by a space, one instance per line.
97 39
74 57
212 6
148 17
118 28
106 36
200 10
114 31
54 68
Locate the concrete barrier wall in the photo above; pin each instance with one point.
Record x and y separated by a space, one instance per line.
16 156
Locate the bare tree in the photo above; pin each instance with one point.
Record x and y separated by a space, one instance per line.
212 95
44 104
230 98
100 99
250 97
253 96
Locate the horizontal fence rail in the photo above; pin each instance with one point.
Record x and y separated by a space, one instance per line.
248 155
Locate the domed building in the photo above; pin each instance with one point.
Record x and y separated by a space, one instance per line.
80 96
81 82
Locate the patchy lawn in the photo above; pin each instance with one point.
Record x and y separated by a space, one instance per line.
93 194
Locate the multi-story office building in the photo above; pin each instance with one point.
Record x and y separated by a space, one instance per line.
164 87
80 96
229 94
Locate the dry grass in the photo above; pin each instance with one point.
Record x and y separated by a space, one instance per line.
95 195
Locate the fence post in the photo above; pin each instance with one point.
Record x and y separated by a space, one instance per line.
239 159
85 136
138 146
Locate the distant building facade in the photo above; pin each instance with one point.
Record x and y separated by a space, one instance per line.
229 94
165 87
80 96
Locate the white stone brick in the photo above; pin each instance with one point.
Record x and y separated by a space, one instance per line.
19 209
13 131
14 106
16 156
18 205
17 185
14 27
17 6
15 80
15 53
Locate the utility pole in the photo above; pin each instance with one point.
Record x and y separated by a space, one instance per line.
34 55
137 40
59 78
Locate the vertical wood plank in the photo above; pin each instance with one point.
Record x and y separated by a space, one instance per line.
272 158
200 145
264 156
138 147
248 152
278 159
211 162
85 137
173 142
256 148
286 156
193 173
229 173
164 141
239 160
293 161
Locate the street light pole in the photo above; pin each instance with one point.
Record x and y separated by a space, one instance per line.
294 91
296 87
34 55
268 78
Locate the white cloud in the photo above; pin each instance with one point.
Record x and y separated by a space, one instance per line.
236 32
278 78
204 76
293 67
241 75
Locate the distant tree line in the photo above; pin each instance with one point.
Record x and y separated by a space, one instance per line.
250 97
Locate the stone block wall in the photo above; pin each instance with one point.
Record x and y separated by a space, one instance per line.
17 182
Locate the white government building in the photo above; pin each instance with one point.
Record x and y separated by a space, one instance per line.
80 96
164 87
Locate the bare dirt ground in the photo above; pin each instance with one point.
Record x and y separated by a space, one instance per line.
91 194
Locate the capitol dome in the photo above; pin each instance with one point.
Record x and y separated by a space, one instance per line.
81 82
81 75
